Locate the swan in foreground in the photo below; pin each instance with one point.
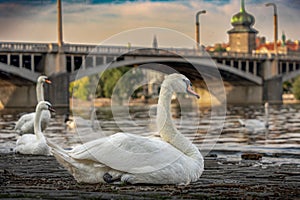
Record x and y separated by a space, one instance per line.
35 143
256 125
171 159
25 123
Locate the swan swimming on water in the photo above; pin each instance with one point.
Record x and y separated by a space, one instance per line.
72 122
170 159
255 125
26 123
35 143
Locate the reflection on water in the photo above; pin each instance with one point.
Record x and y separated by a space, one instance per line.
283 136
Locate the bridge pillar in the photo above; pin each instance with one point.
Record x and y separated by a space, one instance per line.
272 86
8 59
21 60
270 69
58 91
55 69
55 63
273 90
32 62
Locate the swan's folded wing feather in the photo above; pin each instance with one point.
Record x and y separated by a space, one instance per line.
24 119
128 153
26 139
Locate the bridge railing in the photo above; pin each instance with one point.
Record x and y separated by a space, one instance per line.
238 55
23 47
94 49
118 50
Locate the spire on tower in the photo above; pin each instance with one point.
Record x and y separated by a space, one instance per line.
242 9
154 43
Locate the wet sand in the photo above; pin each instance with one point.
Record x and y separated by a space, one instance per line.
26 177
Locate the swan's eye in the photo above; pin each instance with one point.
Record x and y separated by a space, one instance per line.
188 82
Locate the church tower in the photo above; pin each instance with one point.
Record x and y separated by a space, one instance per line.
242 35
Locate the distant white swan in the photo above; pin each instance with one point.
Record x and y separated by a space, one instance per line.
256 125
25 123
35 143
171 159
72 122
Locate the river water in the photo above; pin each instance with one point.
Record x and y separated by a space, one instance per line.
279 144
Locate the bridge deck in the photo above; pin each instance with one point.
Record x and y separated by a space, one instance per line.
42 177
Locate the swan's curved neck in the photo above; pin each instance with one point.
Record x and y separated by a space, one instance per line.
39 92
167 129
37 124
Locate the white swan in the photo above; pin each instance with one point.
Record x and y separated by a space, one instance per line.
35 143
72 122
255 125
171 159
25 123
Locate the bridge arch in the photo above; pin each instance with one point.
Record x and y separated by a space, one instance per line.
291 75
20 72
182 65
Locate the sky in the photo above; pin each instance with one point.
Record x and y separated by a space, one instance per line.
124 21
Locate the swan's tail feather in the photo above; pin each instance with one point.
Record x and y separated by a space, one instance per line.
62 156
77 168
242 123
55 147
17 127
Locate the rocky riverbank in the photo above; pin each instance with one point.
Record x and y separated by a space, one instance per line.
23 176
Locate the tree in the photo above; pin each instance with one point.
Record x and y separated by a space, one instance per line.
287 87
106 83
219 48
108 80
296 88
80 88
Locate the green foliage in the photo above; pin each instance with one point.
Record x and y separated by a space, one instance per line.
108 80
106 84
287 87
80 88
219 48
130 85
296 88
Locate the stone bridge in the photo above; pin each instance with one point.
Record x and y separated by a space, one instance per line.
248 78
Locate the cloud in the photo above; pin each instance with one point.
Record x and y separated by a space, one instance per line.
92 21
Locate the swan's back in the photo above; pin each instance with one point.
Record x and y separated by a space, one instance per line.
129 153
23 120
26 122
150 160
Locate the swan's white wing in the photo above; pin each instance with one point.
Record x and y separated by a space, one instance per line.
128 153
26 139
26 122
24 119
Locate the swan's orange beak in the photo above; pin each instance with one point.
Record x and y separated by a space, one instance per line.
48 81
192 92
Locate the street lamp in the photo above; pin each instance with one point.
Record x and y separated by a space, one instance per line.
59 24
197 27
275 25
